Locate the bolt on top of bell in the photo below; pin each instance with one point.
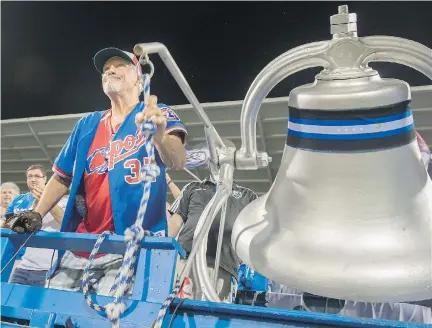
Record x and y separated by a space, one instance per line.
343 24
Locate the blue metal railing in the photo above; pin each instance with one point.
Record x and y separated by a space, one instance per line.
43 307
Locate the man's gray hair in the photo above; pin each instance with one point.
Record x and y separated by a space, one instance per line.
10 185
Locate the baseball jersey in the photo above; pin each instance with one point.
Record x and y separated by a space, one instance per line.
96 183
108 167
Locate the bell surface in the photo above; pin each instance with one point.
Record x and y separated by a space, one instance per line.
349 213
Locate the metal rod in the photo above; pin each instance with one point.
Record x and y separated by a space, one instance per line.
159 48
200 263
192 175
197 173
293 61
219 244
213 138
203 226
40 143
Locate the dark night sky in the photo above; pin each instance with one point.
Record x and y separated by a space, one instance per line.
47 47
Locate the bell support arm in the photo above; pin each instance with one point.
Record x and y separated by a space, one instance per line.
397 50
295 60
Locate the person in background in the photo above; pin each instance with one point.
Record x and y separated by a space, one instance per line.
36 181
35 262
8 191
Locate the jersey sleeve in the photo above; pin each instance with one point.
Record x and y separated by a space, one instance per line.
63 165
174 124
181 204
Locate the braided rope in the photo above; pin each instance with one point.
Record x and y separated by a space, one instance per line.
133 235
166 304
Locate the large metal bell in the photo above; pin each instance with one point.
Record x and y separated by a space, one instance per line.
349 214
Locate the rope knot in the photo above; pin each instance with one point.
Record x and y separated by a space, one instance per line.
115 310
135 232
150 172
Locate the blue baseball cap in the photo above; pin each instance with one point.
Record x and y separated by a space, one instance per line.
103 55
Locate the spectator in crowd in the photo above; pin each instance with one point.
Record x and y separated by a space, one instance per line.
36 180
101 163
35 262
187 209
8 191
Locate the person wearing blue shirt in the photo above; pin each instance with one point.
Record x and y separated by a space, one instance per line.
101 163
34 262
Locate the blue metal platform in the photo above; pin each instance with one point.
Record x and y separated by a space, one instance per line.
50 308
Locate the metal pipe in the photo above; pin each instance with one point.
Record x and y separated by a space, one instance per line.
257 93
213 138
383 41
403 59
246 157
223 192
219 244
397 50
207 218
192 175
162 51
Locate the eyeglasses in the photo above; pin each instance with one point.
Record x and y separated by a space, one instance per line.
29 177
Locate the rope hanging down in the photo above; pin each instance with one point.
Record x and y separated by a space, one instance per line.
133 235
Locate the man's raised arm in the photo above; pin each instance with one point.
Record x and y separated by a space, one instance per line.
170 136
55 189
172 152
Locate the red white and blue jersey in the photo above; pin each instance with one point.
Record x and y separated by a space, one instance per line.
104 163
